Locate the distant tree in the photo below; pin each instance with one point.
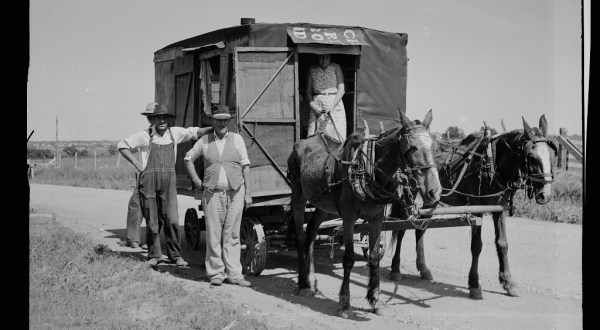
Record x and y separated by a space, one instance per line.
39 153
83 153
70 151
112 149
454 132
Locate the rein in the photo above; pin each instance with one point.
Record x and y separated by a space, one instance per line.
362 170
535 177
522 181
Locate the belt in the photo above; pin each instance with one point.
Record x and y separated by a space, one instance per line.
217 190
326 93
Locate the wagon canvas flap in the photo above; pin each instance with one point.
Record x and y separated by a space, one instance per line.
381 80
329 36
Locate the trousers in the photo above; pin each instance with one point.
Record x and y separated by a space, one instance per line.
223 216
134 218
159 201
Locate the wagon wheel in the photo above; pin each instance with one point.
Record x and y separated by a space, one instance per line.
192 228
254 246
364 237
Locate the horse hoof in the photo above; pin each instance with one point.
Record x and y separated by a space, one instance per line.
512 291
426 275
395 276
306 292
345 313
475 294
381 311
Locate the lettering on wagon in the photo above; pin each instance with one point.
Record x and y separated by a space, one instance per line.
336 36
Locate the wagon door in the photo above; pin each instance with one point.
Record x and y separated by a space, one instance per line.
183 103
266 85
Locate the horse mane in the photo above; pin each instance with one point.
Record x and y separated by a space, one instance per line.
353 141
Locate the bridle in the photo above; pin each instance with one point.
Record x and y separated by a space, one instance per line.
525 178
362 169
524 169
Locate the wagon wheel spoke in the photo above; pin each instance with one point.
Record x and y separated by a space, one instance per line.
191 228
254 253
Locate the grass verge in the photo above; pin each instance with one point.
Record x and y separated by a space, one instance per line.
566 204
74 284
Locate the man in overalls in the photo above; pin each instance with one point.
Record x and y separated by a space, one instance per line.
226 194
157 180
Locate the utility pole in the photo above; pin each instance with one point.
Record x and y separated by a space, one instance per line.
57 148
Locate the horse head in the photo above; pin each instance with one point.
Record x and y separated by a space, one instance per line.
417 152
538 154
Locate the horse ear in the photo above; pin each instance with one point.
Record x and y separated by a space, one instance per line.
428 118
366 129
404 119
543 125
502 123
527 129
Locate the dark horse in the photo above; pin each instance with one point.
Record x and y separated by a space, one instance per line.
357 180
520 159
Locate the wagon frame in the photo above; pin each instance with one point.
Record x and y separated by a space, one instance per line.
259 71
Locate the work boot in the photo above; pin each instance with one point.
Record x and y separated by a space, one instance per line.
133 245
241 282
179 262
152 262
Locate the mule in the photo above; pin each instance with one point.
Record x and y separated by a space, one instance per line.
356 180
521 159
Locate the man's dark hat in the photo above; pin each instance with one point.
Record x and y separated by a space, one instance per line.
160 110
220 112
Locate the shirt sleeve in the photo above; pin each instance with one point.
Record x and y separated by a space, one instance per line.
241 147
196 151
181 134
133 141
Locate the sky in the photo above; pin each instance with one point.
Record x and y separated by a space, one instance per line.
91 61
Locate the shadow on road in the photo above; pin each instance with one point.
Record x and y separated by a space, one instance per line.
279 279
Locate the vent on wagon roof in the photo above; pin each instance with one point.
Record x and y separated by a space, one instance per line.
247 20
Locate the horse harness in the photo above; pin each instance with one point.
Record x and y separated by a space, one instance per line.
362 170
522 181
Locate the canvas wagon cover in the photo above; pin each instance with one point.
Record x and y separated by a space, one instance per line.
381 77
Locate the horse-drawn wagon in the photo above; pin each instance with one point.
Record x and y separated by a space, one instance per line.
259 71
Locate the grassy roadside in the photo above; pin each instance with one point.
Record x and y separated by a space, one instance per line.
74 284
566 205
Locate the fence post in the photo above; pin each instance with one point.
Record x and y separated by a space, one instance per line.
94 159
75 160
563 132
118 159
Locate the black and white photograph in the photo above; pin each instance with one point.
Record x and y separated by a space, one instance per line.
316 164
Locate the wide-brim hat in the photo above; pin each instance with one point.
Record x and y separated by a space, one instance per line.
150 108
160 110
220 112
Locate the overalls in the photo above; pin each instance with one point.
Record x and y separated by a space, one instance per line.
158 193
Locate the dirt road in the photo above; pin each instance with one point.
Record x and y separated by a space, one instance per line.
545 260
